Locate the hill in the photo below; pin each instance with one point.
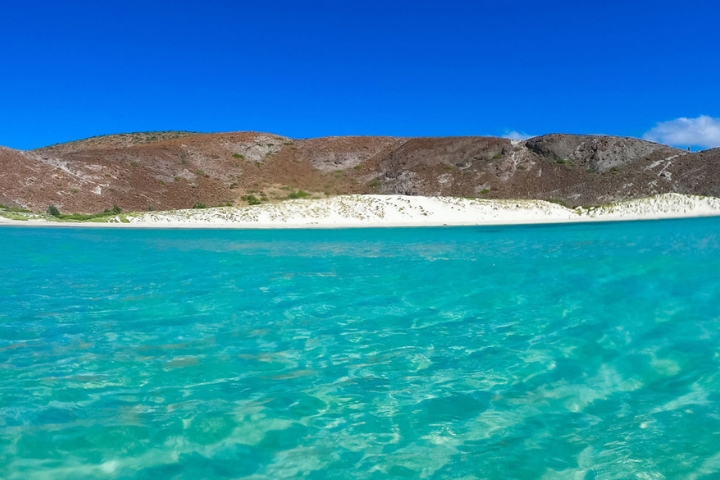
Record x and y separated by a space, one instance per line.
173 170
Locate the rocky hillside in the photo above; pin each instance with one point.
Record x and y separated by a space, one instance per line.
171 170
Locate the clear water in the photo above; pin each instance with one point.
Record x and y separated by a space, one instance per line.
582 351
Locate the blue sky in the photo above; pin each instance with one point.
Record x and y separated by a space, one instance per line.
74 69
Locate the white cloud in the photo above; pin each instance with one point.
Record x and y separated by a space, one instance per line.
703 131
514 135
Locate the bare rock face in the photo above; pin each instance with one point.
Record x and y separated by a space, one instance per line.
555 146
596 152
341 153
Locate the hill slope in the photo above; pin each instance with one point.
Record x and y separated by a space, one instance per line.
172 170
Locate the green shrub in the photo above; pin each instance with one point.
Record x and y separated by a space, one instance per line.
52 210
75 217
237 155
298 194
252 199
199 205
116 210
485 191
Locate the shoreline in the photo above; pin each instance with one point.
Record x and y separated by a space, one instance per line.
334 226
397 211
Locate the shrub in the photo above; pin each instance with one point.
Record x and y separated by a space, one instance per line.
485 190
52 210
116 210
199 205
298 194
237 155
252 199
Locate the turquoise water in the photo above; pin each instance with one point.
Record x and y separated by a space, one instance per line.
576 351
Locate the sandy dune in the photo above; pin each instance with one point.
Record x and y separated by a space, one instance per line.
399 210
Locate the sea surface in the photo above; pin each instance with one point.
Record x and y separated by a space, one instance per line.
587 351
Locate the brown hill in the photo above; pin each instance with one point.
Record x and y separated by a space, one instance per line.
170 170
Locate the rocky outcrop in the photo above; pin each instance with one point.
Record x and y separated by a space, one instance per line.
597 152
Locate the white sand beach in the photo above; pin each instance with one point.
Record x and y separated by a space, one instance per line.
350 211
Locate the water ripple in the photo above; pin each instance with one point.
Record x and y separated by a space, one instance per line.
582 351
